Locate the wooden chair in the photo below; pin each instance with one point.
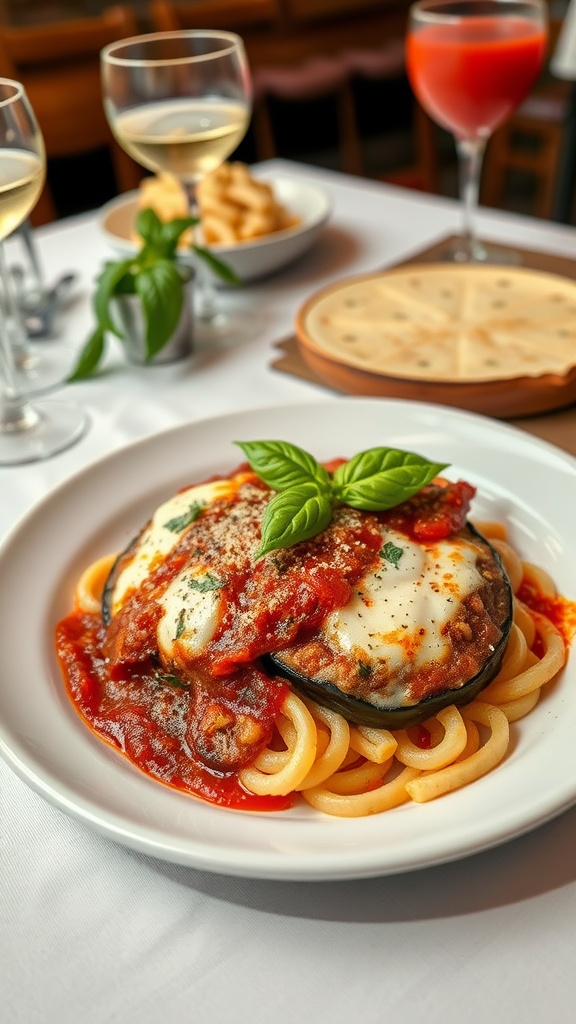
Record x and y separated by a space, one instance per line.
59 66
532 142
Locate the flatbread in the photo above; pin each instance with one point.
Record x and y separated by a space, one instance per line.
439 322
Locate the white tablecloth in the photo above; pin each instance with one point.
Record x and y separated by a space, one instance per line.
93 932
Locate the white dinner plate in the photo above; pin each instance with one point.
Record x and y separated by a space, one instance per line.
252 259
525 482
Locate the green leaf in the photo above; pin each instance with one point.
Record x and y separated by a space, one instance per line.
218 266
294 515
205 584
171 232
282 465
180 624
179 523
89 357
116 278
161 291
381 478
149 226
391 553
170 679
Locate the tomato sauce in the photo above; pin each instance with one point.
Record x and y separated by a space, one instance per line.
144 714
436 512
558 610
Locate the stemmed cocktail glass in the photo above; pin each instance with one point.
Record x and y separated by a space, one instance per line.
470 64
179 102
27 431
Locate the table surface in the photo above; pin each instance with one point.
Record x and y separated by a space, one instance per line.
92 931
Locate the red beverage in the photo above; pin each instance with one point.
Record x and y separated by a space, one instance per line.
471 74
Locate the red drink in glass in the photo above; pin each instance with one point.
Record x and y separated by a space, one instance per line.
470 64
471 75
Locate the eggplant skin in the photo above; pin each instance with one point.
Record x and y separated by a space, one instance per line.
109 586
362 712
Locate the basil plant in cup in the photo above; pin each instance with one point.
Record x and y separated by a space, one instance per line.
156 276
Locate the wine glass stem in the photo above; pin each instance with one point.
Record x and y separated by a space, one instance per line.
470 156
206 306
23 358
16 414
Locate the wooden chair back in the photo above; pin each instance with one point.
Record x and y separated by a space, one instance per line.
296 52
59 65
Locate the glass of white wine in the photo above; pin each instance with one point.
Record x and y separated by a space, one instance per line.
28 432
179 102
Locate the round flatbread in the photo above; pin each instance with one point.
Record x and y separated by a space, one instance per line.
436 322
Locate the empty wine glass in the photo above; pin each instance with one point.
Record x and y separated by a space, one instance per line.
470 64
179 102
27 431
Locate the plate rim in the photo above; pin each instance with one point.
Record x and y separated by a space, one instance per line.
340 865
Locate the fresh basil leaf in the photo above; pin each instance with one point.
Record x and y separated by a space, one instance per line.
220 268
149 226
294 515
179 523
282 465
171 234
110 282
381 478
89 357
161 292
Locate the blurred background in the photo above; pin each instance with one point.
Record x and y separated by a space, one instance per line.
330 90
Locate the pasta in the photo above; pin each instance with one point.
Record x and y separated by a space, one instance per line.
234 206
349 770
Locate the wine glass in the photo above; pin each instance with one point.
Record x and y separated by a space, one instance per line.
470 64
179 102
27 431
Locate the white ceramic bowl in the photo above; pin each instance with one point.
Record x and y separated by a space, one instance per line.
252 259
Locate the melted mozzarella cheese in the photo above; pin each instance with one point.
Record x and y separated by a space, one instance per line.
191 606
398 611
162 533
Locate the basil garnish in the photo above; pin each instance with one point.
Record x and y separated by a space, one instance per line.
382 478
282 465
297 514
373 481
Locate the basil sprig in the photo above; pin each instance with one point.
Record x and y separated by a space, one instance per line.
373 481
155 276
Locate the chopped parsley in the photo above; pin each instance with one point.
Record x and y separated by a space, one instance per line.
391 553
205 584
180 625
180 523
171 680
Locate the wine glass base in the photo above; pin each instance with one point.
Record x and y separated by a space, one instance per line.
42 367
55 427
462 252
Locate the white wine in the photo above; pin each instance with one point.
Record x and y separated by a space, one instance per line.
21 180
187 137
